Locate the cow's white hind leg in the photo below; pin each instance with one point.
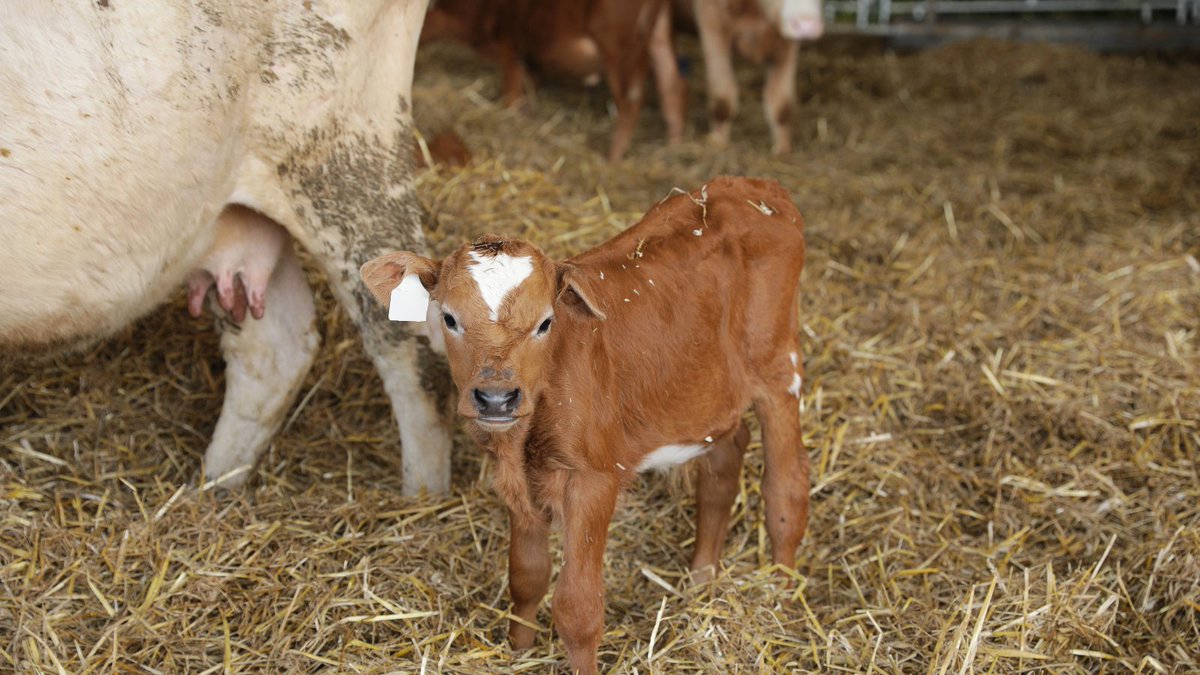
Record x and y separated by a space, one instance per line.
779 95
716 41
266 361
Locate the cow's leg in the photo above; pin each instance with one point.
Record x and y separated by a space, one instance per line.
716 41
579 594
516 81
672 92
628 97
338 175
717 474
266 361
528 576
415 379
627 82
779 95
785 470
624 49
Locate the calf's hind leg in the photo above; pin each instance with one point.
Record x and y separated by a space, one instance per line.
785 473
717 476
266 361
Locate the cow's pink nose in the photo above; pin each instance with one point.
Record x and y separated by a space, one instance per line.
804 27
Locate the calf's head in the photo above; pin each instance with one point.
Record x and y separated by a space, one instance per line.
496 303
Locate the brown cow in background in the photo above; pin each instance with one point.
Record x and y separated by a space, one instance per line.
581 39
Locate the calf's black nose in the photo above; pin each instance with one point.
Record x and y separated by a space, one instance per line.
496 402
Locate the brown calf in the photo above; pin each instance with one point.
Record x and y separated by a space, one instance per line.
641 353
764 31
445 148
582 39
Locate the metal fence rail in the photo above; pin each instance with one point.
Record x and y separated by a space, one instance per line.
1104 24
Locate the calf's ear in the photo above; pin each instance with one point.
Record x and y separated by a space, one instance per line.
383 274
574 292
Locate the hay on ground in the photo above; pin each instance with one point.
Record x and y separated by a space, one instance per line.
1000 317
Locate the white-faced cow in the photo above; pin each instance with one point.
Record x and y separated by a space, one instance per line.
143 144
764 31
639 354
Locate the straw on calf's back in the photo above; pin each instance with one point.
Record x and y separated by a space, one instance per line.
638 354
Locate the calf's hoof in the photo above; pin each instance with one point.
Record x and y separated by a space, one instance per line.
520 637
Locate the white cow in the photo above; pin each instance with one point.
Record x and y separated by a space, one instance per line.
133 133
765 31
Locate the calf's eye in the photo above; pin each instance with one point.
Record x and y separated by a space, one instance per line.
545 327
449 320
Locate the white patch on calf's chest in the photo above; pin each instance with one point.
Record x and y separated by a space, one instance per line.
497 275
670 455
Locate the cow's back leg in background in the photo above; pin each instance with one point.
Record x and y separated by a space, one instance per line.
127 128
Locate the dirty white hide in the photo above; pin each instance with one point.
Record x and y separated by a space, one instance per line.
126 127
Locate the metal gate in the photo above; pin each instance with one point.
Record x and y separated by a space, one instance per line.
1107 25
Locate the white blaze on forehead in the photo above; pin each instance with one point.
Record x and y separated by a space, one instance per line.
497 275
669 455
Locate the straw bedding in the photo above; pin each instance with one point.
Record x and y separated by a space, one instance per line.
1000 318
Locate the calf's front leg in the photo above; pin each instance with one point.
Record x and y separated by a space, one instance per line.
528 575
717 475
591 497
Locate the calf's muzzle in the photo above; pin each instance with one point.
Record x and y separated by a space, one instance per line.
496 404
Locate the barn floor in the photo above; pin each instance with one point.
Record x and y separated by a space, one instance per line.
1001 321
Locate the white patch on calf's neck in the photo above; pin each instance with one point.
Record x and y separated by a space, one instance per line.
670 455
794 388
497 275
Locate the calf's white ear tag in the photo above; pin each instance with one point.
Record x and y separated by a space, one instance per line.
410 300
